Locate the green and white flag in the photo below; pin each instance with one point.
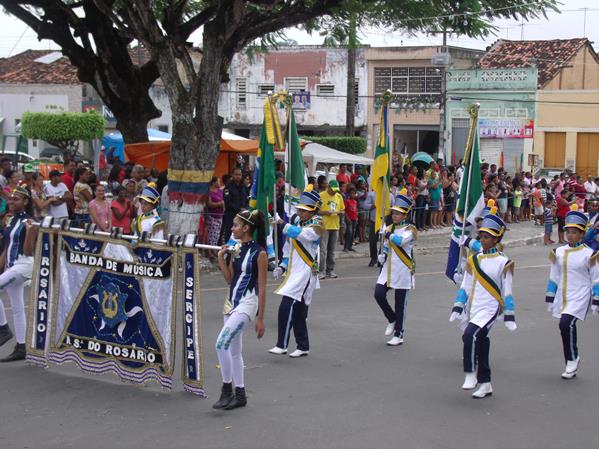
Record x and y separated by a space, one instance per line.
295 172
471 200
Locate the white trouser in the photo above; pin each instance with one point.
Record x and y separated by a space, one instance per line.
229 346
12 282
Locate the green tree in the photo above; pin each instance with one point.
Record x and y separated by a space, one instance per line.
100 52
64 130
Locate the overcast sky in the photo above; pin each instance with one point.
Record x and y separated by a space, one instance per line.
17 37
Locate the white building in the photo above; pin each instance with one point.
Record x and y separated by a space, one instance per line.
318 77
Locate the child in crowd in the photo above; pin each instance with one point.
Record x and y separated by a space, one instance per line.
351 219
517 203
525 208
548 213
537 202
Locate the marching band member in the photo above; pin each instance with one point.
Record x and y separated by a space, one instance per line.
149 220
16 262
592 235
245 272
485 293
397 270
573 286
470 245
300 262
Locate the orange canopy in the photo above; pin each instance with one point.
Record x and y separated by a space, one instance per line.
156 154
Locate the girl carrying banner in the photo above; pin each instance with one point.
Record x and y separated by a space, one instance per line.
16 263
573 286
245 270
485 293
300 262
397 270
149 220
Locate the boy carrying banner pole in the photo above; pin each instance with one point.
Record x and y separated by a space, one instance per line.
485 293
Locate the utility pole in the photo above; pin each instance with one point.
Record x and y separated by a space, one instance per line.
584 26
352 44
442 102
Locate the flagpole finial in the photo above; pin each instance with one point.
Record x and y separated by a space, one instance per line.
387 97
473 110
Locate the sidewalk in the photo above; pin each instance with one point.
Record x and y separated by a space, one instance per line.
437 241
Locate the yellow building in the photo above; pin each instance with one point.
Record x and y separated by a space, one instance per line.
567 109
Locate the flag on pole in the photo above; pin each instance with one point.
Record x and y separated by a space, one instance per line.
295 176
380 176
262 193
471 200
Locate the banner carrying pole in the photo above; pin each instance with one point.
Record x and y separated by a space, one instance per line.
473 110
386 99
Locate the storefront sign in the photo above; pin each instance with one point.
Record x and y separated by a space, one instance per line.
506 128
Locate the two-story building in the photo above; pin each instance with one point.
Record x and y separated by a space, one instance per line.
506 114
409 72
315 75
567 100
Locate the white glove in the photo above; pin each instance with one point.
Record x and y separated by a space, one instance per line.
549 307
382 258
511 325
454 316
278 272
595 310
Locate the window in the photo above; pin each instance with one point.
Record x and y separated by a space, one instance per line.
263 89
163 128
241 88
325 90
296 84
17 121
407 80
356 91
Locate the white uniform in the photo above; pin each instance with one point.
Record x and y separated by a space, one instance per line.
395 273
482 305
301 278
150 222
574 273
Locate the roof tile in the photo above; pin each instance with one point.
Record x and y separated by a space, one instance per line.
549 56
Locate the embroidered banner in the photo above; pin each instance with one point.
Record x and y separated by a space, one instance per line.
111 306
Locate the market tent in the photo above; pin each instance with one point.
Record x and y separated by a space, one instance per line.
156 154
116 141
315 153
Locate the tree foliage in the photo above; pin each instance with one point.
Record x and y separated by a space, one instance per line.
64 129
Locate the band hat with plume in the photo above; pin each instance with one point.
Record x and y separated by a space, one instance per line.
22 191
487 209
150 194
493 224
576 219
309 199
402 203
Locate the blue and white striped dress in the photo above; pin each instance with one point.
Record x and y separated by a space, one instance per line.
243 292
14 238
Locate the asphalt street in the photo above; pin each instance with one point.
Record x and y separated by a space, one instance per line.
351 392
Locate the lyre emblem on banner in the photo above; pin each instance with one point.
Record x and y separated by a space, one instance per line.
111 307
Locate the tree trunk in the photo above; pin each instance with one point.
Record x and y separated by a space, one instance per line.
196 138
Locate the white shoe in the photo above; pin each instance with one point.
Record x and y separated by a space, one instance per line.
322 276
277 350
395 341
484 390
299 353
469 381
390 328
571 369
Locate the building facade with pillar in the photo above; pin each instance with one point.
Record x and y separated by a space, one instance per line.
414 115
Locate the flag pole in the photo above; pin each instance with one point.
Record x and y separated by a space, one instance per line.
386 99
473 111
288 155
275 238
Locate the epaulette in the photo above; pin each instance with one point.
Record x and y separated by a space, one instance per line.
316 223
552 256
159 225
594 258
509 267
413 229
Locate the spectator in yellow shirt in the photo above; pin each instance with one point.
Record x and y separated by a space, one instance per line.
331 210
